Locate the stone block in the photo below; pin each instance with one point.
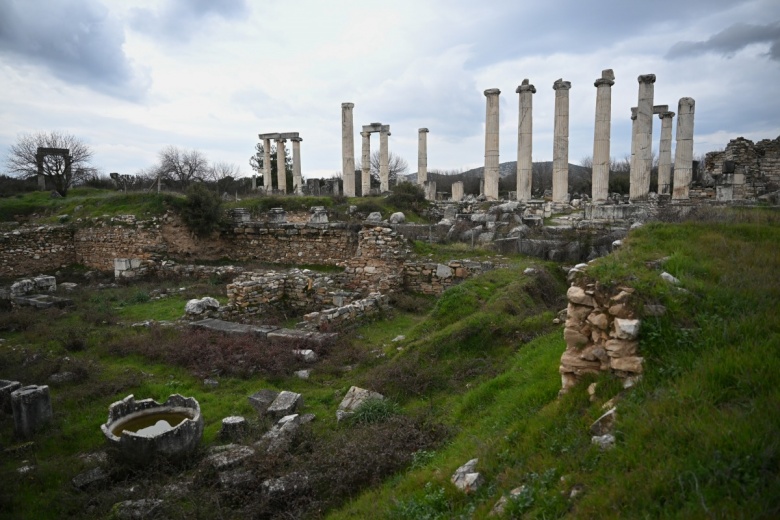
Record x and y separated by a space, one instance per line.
31 409
599 320
574 338
627 329
355 397
261 400
228 456
578 296
621 347
466 478
286 403
6 389
631 364
234 428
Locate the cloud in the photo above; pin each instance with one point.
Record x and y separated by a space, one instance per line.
77 41
730 40
183 19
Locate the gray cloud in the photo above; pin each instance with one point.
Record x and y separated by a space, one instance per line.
77 41
730 40
182 19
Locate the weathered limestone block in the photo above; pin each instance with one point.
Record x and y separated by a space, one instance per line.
627 329
261 400
234 428
621 348
572 361
354 398
578 296
286 403
632 364
578 312
574 338
599 320
31 409
466 478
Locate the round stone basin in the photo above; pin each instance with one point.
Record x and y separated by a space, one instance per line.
145 430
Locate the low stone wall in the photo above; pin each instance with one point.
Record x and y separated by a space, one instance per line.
378 262
134 268
338 317
434 278
601 333
31 250
321 244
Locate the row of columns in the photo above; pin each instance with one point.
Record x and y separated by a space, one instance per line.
281 177
384 156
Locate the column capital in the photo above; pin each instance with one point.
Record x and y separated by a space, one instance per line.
492 92
646 78
665 115
296 139
280 140
607 78
423 130
348 105
525 86
687 102
561 85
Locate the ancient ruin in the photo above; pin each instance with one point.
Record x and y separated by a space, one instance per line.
524 141
491 144
560 173
384 169
601 138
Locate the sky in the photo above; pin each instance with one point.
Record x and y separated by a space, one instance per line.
132 77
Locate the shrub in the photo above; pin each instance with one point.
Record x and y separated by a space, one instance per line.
201 210
408 196
376 410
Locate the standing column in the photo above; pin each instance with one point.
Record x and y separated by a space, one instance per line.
297 178
347 149
643 161
365 164
384 160
601 137
561 142
524 141
281 167
683 152
665 154
268 183
491 144
632 161
422 156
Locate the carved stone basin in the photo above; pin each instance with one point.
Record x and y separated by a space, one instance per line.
145 430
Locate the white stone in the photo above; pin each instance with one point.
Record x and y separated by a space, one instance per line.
196 306
670 278
355 397
466 478
397 218
627 329
605 442
443 271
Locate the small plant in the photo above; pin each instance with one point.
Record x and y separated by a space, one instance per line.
376 410
201 210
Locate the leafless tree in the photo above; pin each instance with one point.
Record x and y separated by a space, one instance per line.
21 160
221 172
181 167
396 165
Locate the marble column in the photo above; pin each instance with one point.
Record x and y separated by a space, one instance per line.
297 177
683 152
491 144
365 164
422 156
632 160
601 137
430 190
281 174
643 160
524 141
347 149
457 191
561 142
665 154
267 183
384 160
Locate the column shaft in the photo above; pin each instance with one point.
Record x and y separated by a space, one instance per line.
347 149
268 184
422 156
384 160
561 142
683 152
365 164
665 154
525 141
643 161
601 137
281 174
491 144
297 178
457 191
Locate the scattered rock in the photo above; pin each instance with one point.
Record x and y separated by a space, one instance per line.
604 424
276 488
307 355
397 218
466 478
498 509
228 456
279 437
374 217
303 374
355 397
398 338
90 478
143 509
196 306
233 428
235 478
261 400
210 382
286 403
605 442
670 279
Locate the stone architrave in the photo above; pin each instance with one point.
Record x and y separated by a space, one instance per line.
457 191
297 178
665 154
601 137
561 142
267 165
365 163
491 144
639 188
347 149
281 166
422 156
683 152
525 141
384 159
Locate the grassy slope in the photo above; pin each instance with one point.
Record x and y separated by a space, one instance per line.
698 437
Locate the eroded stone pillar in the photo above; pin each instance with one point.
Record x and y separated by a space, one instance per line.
430 190
347 149
297 177
268 184
683 152
281 167
457 191
601 137
384 159
422 155
365 164
665 154
525 141
561 142
643 160
31 409
491 144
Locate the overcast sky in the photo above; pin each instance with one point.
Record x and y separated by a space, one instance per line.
133 76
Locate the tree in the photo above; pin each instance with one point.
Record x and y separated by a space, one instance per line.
181 167
22 162
256 162
201 209
223 174
396 166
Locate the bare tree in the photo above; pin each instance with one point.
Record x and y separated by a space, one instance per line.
22 162
396 166
221 173
182 166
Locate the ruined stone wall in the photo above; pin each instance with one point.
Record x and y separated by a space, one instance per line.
434 278
321 244
133 268
601 333
756 168
97 247
337 317
378 264
34 250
